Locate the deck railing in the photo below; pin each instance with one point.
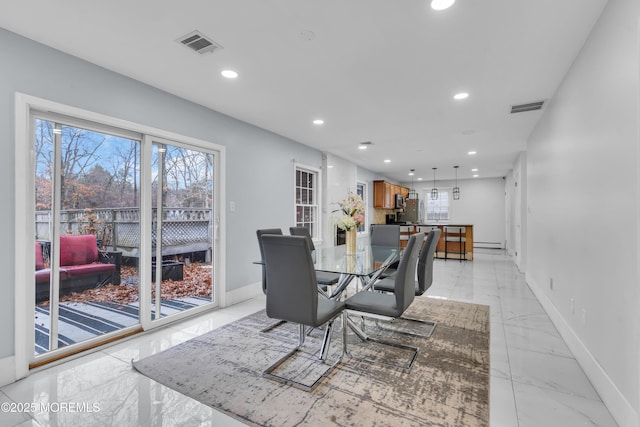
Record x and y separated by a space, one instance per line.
184 230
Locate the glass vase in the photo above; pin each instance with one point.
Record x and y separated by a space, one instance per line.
351 241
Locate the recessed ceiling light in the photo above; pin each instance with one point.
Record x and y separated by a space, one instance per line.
419 179
230 74
318 122
411 174
474 170
387 161
330 166
461 95
475 176
306 35
441 4
472 153
362 147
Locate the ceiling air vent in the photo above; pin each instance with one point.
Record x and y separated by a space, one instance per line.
531 106
199 42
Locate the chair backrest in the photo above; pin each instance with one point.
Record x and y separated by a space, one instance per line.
405 281
303 231
261 233
385 235
292 294
425 261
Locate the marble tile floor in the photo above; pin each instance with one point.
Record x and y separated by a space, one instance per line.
535 381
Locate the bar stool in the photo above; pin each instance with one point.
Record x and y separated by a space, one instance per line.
426 229
455 235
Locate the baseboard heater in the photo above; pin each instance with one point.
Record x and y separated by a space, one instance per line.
488 245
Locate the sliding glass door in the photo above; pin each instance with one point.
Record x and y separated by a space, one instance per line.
100 192
182 228
86 186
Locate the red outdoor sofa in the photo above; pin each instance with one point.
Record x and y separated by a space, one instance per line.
82 266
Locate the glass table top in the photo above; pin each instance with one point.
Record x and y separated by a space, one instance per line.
364 262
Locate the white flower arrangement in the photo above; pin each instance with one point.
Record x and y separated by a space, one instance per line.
352 208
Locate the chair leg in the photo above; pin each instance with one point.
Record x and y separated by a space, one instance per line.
326 341
324 351
273 326
348 323
430 325
301 335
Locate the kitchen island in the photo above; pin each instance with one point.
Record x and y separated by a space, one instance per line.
454 249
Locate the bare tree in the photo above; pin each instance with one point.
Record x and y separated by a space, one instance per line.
96 174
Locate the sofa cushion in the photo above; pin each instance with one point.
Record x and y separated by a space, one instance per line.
73 271
42 276
78 250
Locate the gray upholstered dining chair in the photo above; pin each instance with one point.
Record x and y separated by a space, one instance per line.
324 277
386 235
292 295
425 262
260 233
385 305
425 279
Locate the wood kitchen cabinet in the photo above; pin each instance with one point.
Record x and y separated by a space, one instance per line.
384 194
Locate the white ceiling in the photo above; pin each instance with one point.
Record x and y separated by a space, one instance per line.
383 71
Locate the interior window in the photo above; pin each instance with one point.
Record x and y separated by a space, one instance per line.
438 208
307 200
361 190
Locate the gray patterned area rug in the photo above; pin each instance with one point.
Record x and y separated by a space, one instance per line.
447 386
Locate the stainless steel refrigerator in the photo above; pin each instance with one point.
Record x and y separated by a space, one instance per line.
412 211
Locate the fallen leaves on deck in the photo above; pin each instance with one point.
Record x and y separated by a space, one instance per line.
196 282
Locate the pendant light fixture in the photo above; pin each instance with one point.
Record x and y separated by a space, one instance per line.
412 193
434 190
456 189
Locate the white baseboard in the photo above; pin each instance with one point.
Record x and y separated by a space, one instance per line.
615 401
244 293
7 370
488 245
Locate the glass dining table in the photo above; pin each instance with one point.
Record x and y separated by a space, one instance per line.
366 264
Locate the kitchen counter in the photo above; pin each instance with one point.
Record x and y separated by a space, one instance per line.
452 250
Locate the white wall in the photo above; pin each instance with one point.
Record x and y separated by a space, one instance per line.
582 177
340 179
259 163
516 211
259 169
367 176
481 204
